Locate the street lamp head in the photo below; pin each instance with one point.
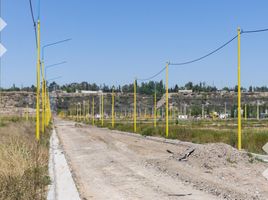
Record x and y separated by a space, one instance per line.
54 78
56 64
52 44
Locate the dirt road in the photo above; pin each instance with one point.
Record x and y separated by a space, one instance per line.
112 165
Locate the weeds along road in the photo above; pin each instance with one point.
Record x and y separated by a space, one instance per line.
110 165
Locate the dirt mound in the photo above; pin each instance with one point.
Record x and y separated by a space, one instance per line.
221 170
218 155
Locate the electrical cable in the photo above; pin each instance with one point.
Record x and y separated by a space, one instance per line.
38 9
209 54
255 31
147 79
205 56
34 22
194 60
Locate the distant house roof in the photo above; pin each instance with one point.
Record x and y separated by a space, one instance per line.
185 91
89 92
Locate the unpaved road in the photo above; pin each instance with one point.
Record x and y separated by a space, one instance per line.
111 165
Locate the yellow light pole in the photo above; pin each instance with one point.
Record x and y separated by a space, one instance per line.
245 111
78 115
102 109
135 106
225 110
258 110
167 100
45 115
84 111
88 110
76 112
45 103
155 106
145 113
239 93
93 114
43 98
27 113
80 111
48 108
203 113
71 112
113 108
38 83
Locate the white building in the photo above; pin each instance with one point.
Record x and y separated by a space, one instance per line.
182 117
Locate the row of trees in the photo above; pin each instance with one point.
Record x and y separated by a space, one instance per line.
142 88
14 88
149 87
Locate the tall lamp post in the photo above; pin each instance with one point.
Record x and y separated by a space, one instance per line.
47 104
53 65
44 121
54 78
48 110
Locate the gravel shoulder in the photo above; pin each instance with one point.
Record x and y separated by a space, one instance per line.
114 165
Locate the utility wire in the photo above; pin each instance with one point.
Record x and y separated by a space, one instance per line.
38 8
219 48
209 54
191 61
147 79
34 22
255 31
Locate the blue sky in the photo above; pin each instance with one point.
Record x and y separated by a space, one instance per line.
115 41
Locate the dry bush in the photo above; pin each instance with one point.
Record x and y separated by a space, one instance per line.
23 163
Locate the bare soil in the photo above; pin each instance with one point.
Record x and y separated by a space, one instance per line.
115 165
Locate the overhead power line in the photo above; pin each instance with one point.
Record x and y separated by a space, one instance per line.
255 31
191 61
34 22
150 78
38 9
209 54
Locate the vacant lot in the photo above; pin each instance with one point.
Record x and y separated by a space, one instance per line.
23 163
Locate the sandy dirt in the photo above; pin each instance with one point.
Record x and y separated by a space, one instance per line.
114 165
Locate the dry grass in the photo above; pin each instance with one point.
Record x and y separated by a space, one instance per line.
23 171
